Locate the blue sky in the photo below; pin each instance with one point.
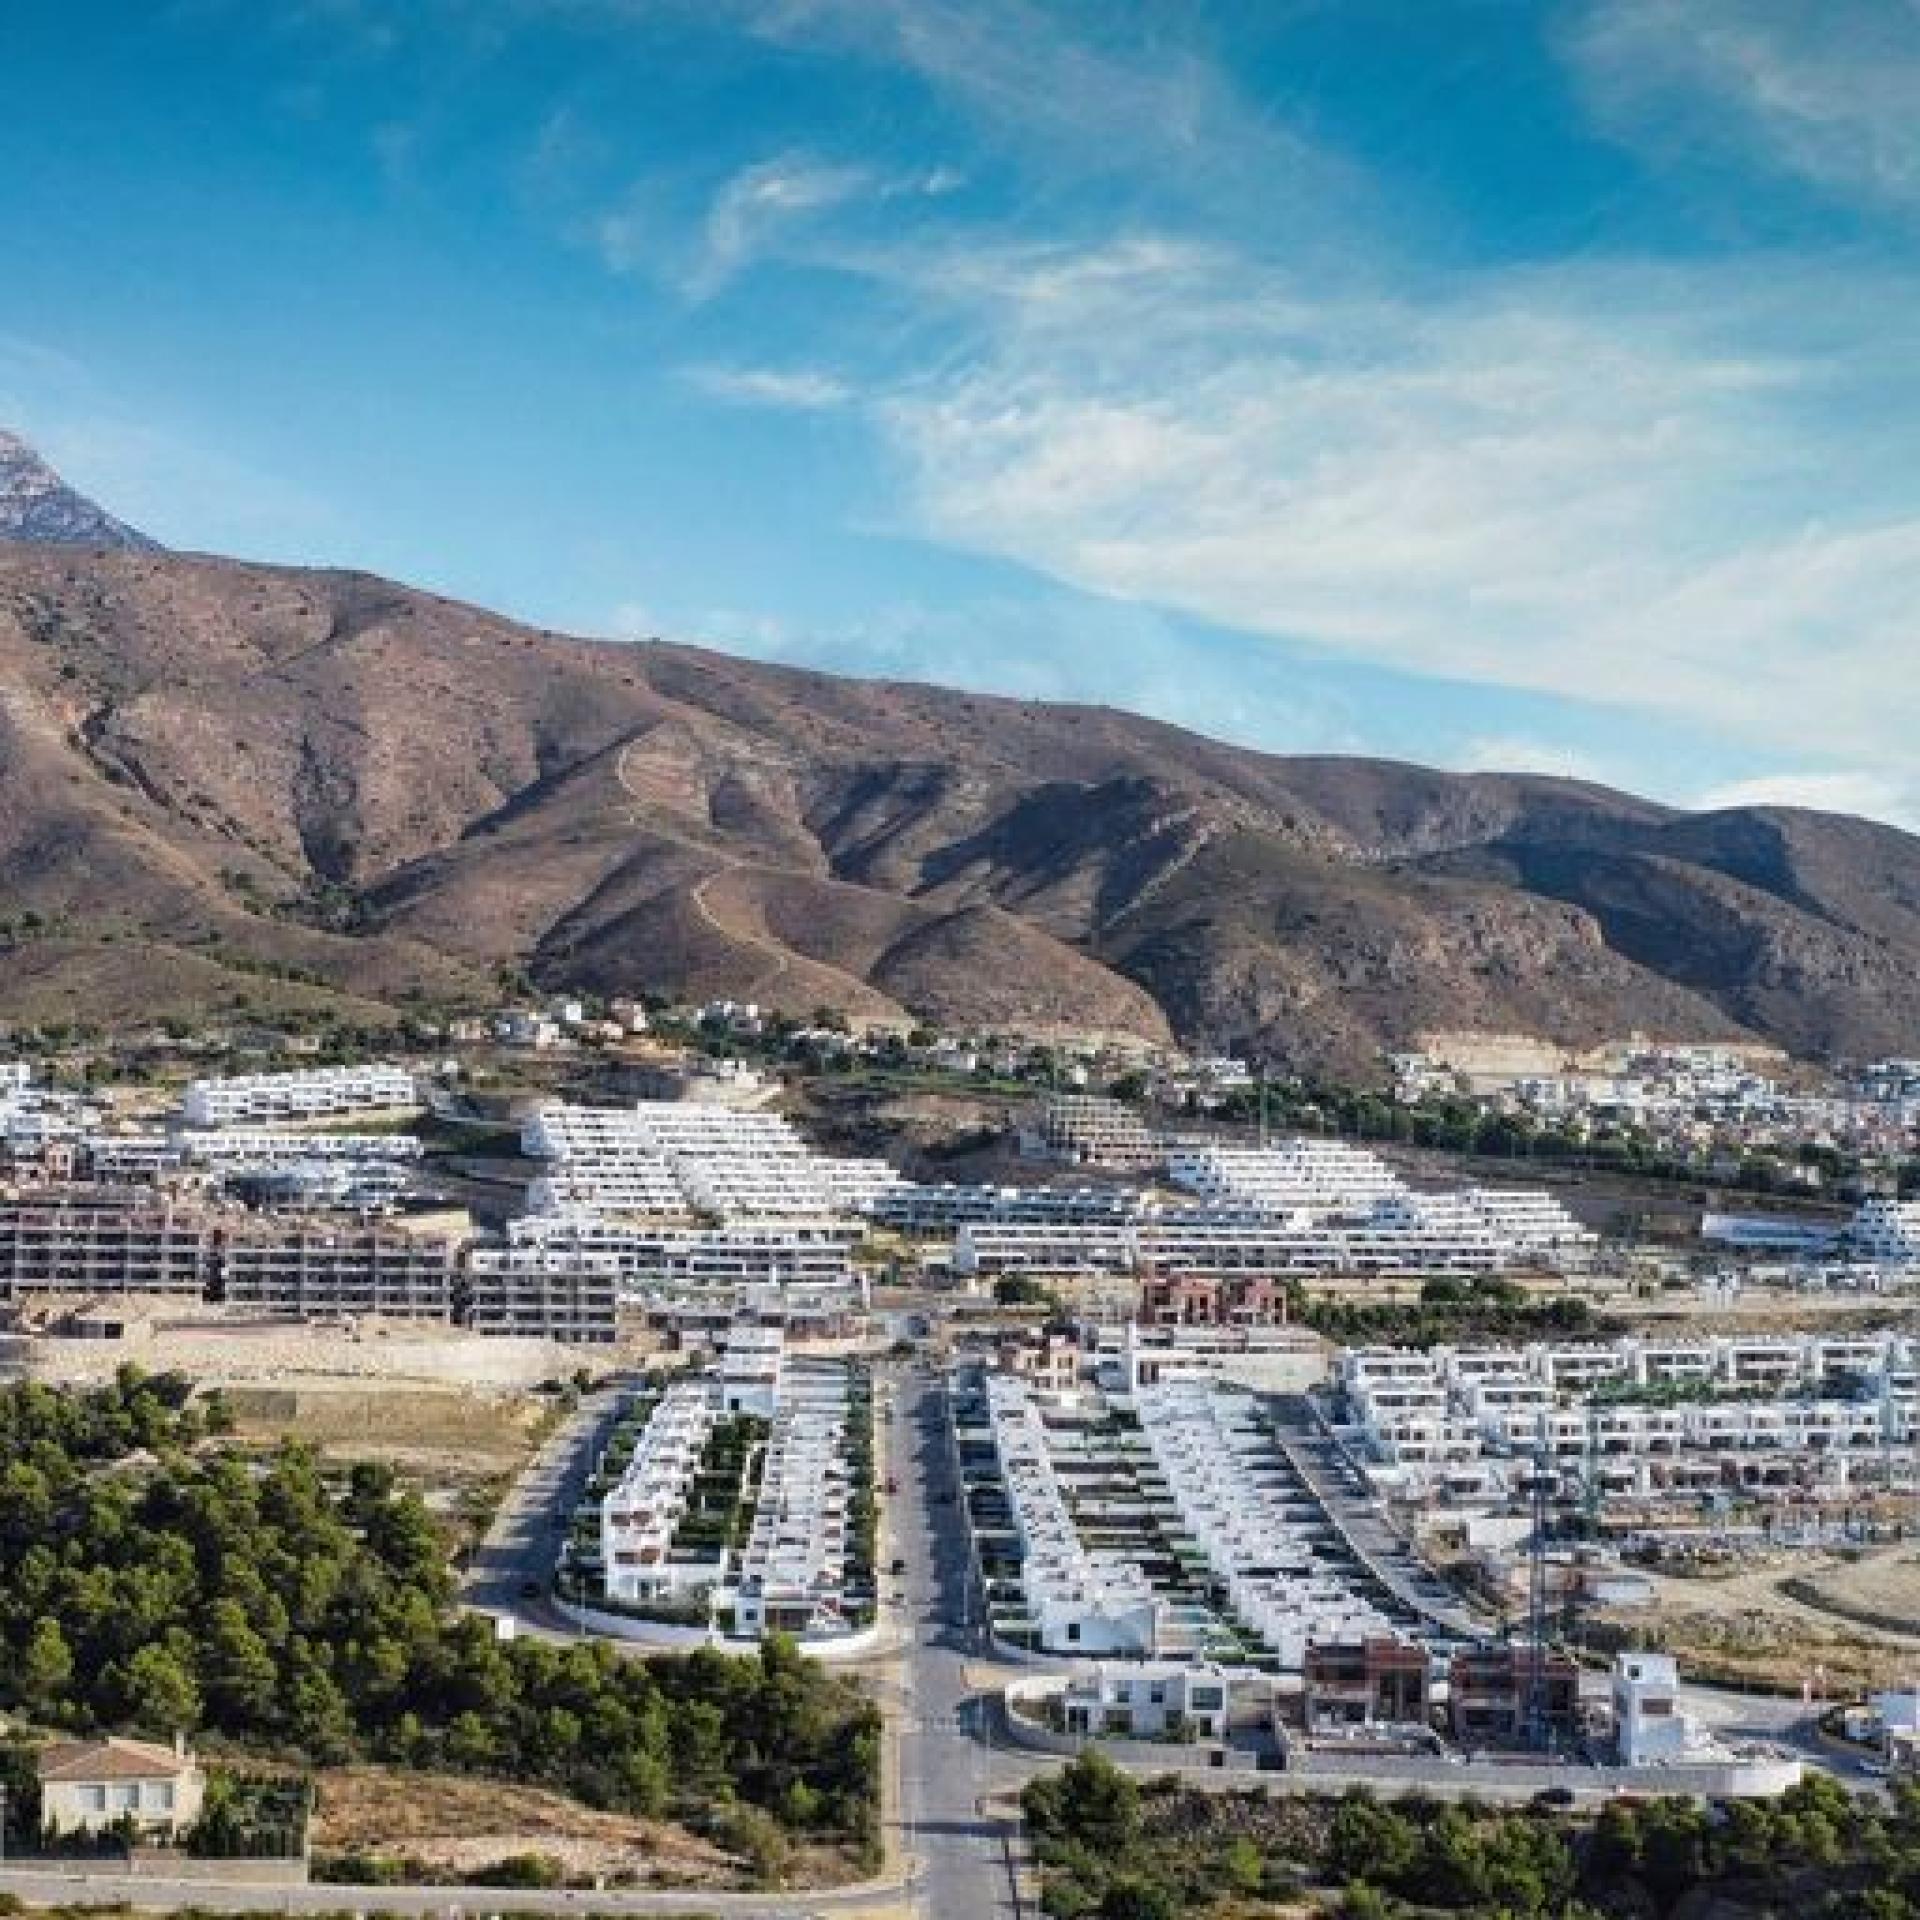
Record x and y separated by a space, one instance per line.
1495 383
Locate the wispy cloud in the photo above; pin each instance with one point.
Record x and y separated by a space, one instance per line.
1045 644
788 389
1090 92
1602 482
1676 485
771 209
1828 89
763 202
1880 796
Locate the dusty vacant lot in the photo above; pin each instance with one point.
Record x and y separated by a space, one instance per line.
1846 1625
1878 1589
440 1434
458 1825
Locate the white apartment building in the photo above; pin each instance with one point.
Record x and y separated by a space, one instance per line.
752 1372
642 1184
792 1573
1755 1412
1263 1539
1650 1730
988 1247
701 1259
1079 1601
667 1157
310 1093
233 1149
854 1184
668 1129
1154 1700
944 1208
1533 1222
639 1518
32 1116
1326 1179
1885 1230
1128 1356
133 1156
1342 1207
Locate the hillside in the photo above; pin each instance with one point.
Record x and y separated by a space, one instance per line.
224 782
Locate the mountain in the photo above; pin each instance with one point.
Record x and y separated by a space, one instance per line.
226 785
37 505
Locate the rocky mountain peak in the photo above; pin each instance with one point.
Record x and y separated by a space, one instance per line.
37 505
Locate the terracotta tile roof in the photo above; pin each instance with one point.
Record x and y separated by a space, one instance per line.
112 1759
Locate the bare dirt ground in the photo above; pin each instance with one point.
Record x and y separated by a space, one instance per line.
1877 1589
1766 1310
461 1448
459 1826
1834 1621
485 1432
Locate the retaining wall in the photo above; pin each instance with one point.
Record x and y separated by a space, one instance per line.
1159 1756
667 1635
161 1863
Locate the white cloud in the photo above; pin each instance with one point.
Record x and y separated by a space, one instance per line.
762 634
1683 487
787 389
1880 796
1633 486
1099 91
762 202
1829 89
773 208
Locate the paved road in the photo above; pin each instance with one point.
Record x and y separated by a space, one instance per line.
949 1772
159 1895
1316 1459
531 1524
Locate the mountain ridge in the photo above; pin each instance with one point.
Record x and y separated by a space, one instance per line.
231 787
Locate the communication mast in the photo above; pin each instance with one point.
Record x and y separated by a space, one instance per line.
1536 1650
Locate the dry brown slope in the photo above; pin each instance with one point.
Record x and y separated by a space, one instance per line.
234 759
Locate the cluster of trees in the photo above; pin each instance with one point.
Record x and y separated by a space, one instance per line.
45 1429
1483 1308
1111 1849
1023 1290
1454 1124
310 1615
1815 1853
863 1504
